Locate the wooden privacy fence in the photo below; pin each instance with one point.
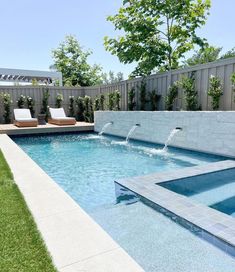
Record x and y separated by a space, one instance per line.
159 82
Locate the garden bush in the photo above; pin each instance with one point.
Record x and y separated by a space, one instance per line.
215 91
171 96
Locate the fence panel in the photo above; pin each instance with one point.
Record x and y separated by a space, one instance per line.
159 82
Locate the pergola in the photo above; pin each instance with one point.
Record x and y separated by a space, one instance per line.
27 76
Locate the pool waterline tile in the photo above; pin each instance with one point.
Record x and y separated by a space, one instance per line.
217 227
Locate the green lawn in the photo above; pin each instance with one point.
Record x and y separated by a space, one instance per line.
21 246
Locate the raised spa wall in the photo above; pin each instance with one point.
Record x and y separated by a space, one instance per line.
211 132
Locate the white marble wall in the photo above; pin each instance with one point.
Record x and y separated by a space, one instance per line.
207 131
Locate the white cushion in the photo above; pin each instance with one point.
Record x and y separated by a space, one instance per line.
25 119
57 113
64 118
22 113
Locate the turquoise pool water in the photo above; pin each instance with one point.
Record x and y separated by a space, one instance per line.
216 190
85 166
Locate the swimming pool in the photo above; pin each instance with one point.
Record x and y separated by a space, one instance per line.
216 190
85 166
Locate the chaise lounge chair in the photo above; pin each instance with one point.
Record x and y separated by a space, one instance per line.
23 118
59 118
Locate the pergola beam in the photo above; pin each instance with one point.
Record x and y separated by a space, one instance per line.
18 75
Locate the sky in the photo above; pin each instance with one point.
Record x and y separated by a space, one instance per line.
32 28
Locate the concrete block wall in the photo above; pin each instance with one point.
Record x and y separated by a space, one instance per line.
207 131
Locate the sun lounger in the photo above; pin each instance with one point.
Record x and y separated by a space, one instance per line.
23 118
59 118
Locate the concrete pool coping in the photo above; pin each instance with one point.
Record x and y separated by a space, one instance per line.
220 226
74 240
11 129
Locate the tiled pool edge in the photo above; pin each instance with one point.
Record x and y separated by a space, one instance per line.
74 240
11 129
218 225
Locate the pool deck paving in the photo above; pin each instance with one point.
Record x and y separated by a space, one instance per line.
215 226
74 240
11 129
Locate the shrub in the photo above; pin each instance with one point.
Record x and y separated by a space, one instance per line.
188 85
143 93
59 100
101 102
71 106
116 100
111 101
153 99
215 91
21 101
88 109
80 108
45 106
30 105
172 95
233 82
131 99
97 104
7 107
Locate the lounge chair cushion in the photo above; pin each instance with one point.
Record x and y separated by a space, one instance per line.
26 119
57 113
22 113
64 118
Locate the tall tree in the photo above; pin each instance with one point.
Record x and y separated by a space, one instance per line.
229 54
203 55
71 60
157 32
110 77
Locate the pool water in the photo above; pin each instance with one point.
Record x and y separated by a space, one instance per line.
86 165
216 190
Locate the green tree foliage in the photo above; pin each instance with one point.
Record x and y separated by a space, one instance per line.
110 78
71 60
207 54
203 55
188 85
171 96
215 91
157 33
131 99
229 54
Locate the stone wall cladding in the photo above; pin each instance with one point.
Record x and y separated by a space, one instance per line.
206 131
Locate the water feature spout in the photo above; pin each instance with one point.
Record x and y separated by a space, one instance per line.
171 136
131 132
105 127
